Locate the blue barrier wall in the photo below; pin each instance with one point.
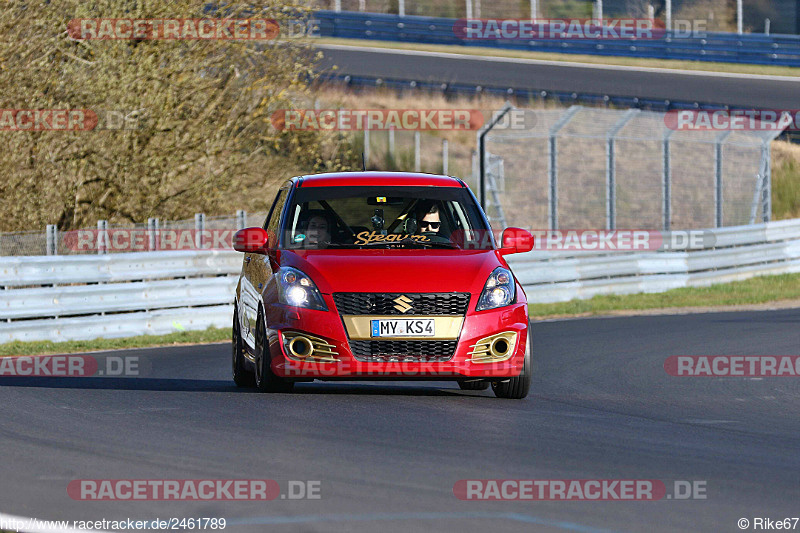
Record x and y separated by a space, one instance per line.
782 50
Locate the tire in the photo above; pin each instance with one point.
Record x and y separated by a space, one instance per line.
266 380
473 385
517 388
241 376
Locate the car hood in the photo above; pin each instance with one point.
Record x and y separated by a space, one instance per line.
392 271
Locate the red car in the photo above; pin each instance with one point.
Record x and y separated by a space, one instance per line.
380 275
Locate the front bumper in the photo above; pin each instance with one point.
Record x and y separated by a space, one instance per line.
329 326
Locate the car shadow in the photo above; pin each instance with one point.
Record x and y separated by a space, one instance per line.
206 385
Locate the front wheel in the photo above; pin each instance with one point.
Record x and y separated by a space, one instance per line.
241 376
518 387
266 380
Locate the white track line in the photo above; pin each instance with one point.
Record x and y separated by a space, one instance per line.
498 59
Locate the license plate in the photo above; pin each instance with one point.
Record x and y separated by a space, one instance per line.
403 327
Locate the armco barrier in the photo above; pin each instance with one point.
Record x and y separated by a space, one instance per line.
713 46
83 297
739 253
117 295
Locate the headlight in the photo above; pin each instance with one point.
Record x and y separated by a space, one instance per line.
297 289
499 291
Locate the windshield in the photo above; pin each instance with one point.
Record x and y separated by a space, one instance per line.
384 217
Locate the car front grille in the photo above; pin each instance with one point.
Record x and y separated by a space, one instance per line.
403 351
428 303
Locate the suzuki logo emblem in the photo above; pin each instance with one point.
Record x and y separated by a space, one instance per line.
403 303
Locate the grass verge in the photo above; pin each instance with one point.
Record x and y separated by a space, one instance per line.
703 66
758 290
144 341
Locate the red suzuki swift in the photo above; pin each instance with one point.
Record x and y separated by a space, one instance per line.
380 275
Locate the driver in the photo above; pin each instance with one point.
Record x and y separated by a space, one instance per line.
430 221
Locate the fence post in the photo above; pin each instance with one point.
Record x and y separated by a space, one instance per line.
241 219
718 141
668 15
445 157
337 5
666 183
552 165
199 228
152 234
102 237
482 150
611 168
401 8
52 239
739 17
756 195
366 146
417 155
766 185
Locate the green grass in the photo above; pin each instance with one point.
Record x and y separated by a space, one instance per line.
762 289
785 181
144 341
573 58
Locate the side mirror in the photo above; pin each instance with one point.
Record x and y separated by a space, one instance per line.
251 240
515 241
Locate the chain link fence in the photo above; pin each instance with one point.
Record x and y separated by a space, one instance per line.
604 168
565 169
155 234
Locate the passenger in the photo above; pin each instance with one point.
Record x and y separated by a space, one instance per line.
316 227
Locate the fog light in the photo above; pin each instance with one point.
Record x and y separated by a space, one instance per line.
305 347
300 347
493 349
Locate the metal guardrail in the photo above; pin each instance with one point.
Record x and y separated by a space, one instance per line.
560 97
738 253
713 46
84 297
117 295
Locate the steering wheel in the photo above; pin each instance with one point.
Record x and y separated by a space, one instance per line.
434 236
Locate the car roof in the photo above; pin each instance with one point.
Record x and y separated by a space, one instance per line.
354 179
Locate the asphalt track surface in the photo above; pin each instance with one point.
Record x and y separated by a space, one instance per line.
388 454
740 90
